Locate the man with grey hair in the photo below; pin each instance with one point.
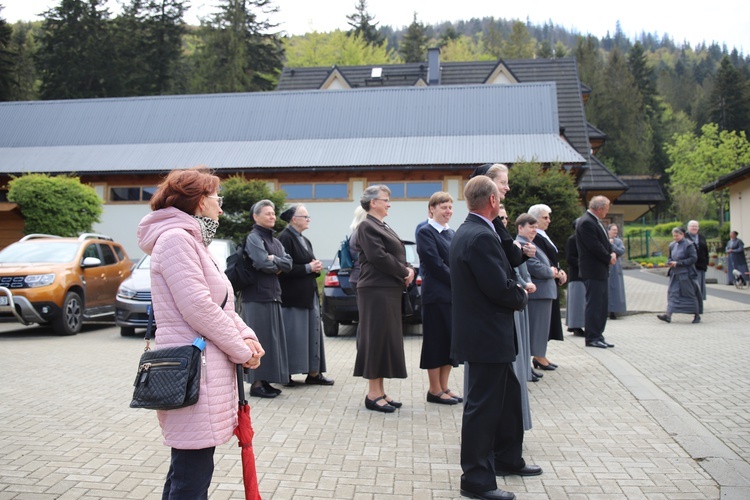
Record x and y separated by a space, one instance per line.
701 265
595 255
484 296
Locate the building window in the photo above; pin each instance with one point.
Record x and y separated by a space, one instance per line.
131 194
316 191
413 190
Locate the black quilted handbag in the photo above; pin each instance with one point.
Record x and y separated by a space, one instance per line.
168 378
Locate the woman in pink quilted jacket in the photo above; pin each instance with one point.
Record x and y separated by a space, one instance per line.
187 290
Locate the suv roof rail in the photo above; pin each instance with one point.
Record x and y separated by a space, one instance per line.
92 236
38 235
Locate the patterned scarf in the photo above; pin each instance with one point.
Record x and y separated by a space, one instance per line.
208 228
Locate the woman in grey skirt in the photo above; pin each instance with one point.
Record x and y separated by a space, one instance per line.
300 304
616 281
683 294
261 302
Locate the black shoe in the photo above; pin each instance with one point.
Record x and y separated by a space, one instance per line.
456 397
291 383
496 494
395 404
268 387
596 343
537 374
318 379
262 392
374 406
577 332
612 316
534 378
697 318
664 317
540 366
528 470
432 398
604 341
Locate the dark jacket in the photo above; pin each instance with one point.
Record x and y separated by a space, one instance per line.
258 245
594 248
433 249
702 248
298 286
515 255
484 295
382 256
571 255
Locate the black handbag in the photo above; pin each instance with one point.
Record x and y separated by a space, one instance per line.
168 378
406 307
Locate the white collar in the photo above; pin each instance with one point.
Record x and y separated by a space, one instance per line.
439 228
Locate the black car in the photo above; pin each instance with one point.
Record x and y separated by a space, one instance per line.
340 302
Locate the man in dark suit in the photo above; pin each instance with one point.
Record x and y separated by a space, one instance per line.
595 255
484 296
701 265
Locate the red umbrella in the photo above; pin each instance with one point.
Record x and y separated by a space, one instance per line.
244 433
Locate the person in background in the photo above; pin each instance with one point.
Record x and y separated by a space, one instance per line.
616 300
384 274
359 216
261 302
300 303
484 296
542 241
683 294
701 246
522 364
433 246
576 303
192 298
595 255
735 250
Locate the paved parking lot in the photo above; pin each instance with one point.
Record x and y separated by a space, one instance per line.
663 415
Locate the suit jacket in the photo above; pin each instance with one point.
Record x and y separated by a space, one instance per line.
594 248
571 255
484 295
515 255
298 286
382 256
540 271
433 249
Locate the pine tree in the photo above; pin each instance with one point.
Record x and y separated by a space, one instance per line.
8 84
76 57
24 46
728 101
413 46
237 53
362 24
520 45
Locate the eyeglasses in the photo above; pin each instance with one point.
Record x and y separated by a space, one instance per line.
220 199
384 199
546 217
502 217
306 217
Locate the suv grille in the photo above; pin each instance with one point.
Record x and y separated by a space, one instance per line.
12 281
144 296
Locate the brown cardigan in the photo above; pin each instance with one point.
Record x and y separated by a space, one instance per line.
382 257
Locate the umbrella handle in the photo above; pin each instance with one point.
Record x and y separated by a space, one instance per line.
241 385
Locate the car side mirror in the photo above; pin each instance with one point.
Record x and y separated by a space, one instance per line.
91 262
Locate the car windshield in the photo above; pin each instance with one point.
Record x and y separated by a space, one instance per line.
145 263
49 252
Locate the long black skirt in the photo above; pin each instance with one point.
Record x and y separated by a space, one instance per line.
380 339
436 336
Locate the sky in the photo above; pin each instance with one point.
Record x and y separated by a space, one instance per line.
682 21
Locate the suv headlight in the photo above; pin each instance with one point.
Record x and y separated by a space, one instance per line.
36 280
125 292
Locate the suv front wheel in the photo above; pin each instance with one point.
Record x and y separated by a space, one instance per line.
330 327
71 315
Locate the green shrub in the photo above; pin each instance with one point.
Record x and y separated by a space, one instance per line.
665 229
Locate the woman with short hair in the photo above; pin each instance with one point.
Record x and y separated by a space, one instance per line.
683 294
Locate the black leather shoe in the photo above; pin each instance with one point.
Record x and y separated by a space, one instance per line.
534 378
540 366
596 343
374 406
395 404
578 332
528 470
292 383
496 494
262 392
697 318
268 387
664 317
432 398
612 316
454 396
537 374
318 379
604 341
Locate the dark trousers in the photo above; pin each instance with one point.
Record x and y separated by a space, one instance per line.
189 475
597 305
492 427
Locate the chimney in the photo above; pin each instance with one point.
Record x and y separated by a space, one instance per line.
433 66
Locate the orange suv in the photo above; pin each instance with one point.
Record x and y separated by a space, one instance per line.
61 281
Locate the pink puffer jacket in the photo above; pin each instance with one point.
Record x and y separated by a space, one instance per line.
187 289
